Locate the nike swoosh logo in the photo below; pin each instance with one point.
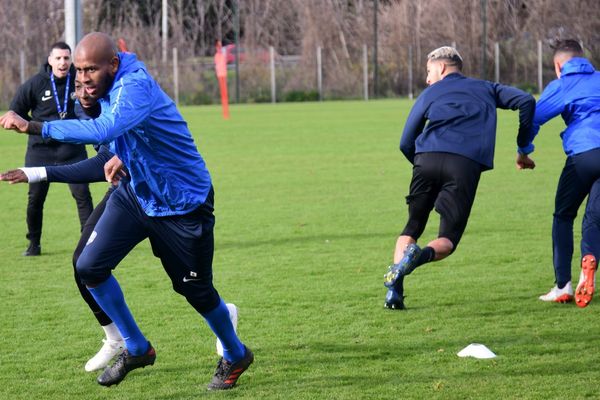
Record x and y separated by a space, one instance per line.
44 98
186 279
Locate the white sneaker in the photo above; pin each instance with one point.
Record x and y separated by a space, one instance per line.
107 352
233 316
557 295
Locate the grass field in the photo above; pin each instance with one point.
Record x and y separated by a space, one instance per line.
309 201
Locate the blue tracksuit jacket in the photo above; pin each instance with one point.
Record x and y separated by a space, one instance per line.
458 115
576 97
168 174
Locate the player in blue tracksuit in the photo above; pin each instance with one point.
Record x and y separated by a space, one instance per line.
575 95
169 200
449 138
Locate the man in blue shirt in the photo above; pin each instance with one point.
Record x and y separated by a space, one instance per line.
575 95
449 137
169 199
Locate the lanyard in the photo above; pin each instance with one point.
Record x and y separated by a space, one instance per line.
62 112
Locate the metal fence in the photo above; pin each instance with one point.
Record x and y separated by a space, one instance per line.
265 76
273 78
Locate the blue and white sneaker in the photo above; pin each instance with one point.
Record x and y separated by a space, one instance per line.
404 267
394 298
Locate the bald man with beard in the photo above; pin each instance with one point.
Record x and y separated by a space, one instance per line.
168 199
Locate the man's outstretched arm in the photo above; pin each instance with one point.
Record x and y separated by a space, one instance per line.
86 171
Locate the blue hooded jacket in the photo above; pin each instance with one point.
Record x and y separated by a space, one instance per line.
168 174
576 96
458 115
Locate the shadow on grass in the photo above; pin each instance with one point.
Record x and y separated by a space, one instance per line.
300 238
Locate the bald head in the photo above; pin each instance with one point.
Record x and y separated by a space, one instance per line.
96 61
96 45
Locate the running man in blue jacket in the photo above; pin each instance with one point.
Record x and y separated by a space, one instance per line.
449 137
169 199
88 171
575 95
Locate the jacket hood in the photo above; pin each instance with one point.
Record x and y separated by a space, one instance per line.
577 65
128 62
45 69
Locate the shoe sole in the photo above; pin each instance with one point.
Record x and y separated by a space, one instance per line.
394 306
394 302
585 288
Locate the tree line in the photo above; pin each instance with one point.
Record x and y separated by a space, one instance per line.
406 31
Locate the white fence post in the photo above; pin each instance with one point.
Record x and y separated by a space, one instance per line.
319 74
410 72
73 22
365 73
165 29
22 66
497 61
175 77
273 88
540 79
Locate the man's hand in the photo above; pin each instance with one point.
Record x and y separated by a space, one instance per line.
14 176
113 170
524 162
12 120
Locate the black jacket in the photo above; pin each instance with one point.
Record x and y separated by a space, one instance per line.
35 101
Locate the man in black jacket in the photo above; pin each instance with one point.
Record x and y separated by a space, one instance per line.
48 96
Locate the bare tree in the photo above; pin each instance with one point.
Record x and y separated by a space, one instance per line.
298 27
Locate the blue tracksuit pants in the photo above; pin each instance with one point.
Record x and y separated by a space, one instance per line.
580 177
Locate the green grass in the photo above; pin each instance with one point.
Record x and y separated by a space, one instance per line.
309 201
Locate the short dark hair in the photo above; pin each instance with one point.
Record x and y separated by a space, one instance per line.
60 46
569 46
